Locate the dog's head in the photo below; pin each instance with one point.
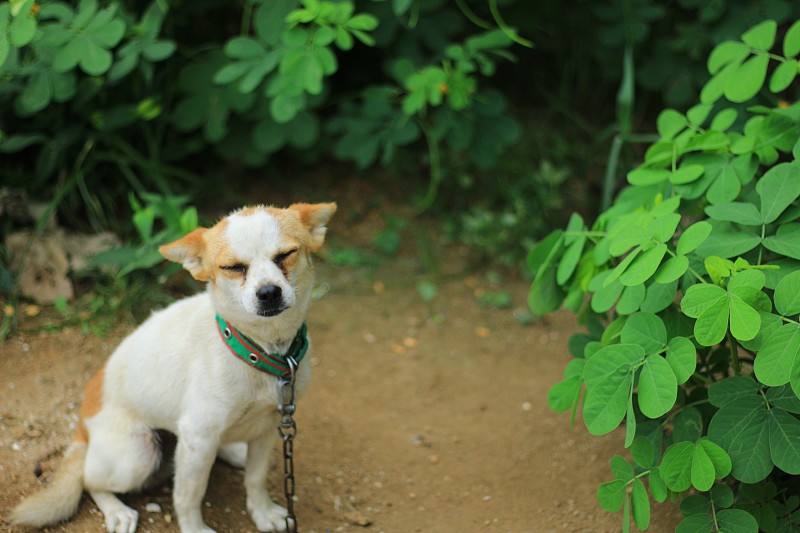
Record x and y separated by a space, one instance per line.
256 260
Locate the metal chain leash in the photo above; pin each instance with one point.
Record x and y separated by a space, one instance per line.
288 430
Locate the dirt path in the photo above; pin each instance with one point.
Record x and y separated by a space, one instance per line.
421 417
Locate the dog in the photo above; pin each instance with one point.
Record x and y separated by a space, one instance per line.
177 373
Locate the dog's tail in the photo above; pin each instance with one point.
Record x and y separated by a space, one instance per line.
59 500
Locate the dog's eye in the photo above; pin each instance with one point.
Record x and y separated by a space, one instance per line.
239 268
281 257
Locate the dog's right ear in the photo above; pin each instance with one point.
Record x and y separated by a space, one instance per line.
189 250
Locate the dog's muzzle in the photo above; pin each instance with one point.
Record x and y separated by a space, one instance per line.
270 300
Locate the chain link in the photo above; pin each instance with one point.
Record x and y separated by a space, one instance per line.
288 430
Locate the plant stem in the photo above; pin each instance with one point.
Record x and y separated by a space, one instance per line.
510 32
436 167
471 16
737 365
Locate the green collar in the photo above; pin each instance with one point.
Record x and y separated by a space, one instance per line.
254 355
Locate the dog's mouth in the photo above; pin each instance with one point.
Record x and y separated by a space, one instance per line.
270 311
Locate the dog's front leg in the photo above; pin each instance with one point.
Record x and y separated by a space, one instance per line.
194 458
267 515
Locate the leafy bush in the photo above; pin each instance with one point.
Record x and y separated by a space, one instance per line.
694 276
106 97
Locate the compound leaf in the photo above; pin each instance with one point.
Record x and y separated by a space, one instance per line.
676 466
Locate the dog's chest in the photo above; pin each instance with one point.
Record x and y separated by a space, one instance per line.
251 419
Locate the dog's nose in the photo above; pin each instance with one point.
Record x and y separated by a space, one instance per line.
269 294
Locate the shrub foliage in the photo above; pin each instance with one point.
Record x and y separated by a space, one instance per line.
694 276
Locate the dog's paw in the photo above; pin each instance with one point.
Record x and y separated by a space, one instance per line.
269 517
121 520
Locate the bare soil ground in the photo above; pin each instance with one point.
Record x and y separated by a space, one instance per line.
421 416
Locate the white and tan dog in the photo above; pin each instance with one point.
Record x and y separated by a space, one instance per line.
176 373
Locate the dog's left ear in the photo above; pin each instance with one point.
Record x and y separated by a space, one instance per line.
314 217
189 251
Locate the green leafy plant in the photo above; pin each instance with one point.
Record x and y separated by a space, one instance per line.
159 221
693 276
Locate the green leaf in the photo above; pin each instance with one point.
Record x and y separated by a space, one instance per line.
693 237
22 30
711 326
657 487
726 243
726 53
672 269
642 452
744 320
682 358
621 469
787 294
778 188
611 494
608 380
640 505
751 278
791 41
657 387
761 36
720 460
697 523
741 428
545 296
736 521
784 398
724 119
676 466
662 229
702 470
786 241
729 389
783 76
748 79
569 261
645 329
775 361
687 425
699 297
631 299
544 252
784 441
606 296
659 296
742 213
644 266
669 123
686 174
644 176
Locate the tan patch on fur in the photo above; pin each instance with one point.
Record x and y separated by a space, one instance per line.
92 401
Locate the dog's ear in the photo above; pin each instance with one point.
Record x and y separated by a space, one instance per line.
189 251
314 217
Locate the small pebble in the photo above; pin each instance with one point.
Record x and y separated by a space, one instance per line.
152 508
526 406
